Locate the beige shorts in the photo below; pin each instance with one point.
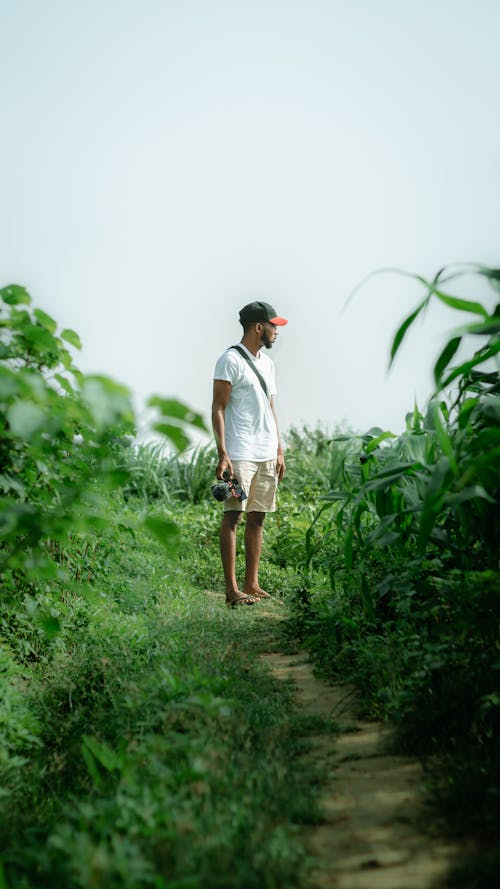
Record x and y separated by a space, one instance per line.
259 481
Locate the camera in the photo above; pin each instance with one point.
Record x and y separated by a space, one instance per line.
230 487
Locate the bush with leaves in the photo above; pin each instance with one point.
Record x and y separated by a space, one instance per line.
61 436
413 613
62 439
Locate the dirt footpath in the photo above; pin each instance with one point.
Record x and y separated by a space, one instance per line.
371 800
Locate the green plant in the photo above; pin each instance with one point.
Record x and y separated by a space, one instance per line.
165 749
410 535
60 435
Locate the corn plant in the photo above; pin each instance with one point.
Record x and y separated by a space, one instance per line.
437 484
413 615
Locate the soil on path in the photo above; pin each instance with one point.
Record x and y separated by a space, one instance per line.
371 800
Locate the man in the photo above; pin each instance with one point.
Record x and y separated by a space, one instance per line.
248 443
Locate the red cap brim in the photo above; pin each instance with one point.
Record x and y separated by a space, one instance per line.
279 322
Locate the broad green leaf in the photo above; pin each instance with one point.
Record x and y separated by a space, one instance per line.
463 369
172 409
375 430
71 337
45 320
472 493
166 531
175 434
25 419
373 445
65 384
14 295
462 305
108 400
40 339
445 357
403 329
394 472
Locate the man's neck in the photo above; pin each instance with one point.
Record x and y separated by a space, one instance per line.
252 344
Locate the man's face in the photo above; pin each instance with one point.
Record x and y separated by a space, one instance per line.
268 335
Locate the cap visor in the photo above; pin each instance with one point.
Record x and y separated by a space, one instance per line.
279 322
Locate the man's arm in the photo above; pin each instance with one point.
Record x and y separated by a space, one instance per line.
280 457
222 394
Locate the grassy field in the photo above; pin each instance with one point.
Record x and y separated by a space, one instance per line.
141 741
152 748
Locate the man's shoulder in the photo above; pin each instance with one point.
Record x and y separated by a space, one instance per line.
228 355
227 365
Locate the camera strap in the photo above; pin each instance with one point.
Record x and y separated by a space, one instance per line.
252 365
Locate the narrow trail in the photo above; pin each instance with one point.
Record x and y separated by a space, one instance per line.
370 799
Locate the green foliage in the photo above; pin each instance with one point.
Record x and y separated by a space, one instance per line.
140 743
408 540
19 728
175 419
62 435
160 753
156 473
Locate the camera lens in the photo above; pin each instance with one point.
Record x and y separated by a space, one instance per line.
221 491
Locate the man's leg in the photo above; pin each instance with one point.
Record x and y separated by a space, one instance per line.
230 522
253 549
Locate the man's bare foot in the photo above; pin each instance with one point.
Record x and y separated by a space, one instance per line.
258 593
237 598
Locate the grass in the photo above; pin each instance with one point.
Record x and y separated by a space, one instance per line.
167 755
141 741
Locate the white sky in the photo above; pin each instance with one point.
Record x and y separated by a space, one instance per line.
164 163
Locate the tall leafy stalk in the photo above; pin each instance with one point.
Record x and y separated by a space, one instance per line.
413 615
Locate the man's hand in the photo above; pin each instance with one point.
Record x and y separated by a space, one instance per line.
224 465
280 465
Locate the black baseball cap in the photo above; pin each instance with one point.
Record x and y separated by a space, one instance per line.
261 312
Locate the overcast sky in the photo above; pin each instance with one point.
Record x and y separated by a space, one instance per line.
164 163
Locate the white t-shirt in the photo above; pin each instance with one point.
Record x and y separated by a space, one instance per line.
250 427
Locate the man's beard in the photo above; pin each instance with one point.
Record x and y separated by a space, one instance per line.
266 341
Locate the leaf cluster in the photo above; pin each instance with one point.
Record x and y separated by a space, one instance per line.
408 539
63 437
